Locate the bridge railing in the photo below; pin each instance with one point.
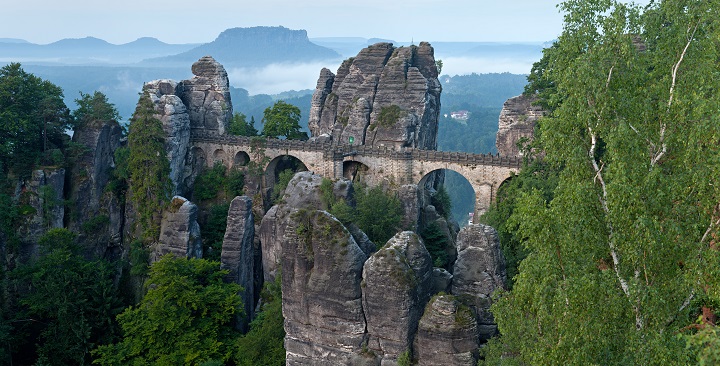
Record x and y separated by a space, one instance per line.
338 151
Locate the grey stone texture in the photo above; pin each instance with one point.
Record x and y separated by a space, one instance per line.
397 283
179 231
237 254
356 100
479 271
517 120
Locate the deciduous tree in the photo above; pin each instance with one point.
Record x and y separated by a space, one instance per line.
625 255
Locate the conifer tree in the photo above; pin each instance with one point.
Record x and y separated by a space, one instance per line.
148 167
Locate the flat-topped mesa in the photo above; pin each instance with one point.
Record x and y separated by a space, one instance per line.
385 96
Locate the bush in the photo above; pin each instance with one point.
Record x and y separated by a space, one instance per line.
209 182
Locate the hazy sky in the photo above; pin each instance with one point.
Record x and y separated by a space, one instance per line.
183 21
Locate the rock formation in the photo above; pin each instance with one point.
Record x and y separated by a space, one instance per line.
201 104
447 334
97 214
43 192
254 47
175 119
237 253
179 231
322 298
302 192
479 271
207 96
385 96
397 282
517 121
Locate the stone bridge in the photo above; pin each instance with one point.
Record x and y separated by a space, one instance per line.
376 163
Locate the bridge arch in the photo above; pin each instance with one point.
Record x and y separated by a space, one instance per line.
199 158
355 171
275 169
219 155
241 158
462 194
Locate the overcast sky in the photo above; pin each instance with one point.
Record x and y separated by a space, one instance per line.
184 21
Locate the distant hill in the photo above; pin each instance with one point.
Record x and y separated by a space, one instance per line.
252 47
86 51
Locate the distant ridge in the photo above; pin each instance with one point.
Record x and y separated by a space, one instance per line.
86 51
13 40
255 46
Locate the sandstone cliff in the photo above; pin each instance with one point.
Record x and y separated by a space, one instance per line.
201 104
237 254
179 231
96 214
479 271
447 334
517 121
384 96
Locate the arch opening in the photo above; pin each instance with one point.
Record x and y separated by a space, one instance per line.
277 175
355 171
220 156
460 194
241 159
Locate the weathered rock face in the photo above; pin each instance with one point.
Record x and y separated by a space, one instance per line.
517 120
179 231
322 298
397 283
303 191
447 334
479 270
237 253
384 96
207 96
44 193
201 104
98 214
408 195
175 119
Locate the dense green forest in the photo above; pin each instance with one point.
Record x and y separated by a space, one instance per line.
611 229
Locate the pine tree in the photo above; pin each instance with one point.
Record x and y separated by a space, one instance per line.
148 166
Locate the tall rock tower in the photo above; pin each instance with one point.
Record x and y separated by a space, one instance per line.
385 96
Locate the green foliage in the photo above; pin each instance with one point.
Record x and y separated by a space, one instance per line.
536 176
442 203
235 183
389 115
404 359
436 243
33 119
95 107
95 223
377 213
184 319
239 126
148 167
139 258
283 180
282 119
120 175
213 232
263 344
615 260
70 303
209 183
706 344
218 182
